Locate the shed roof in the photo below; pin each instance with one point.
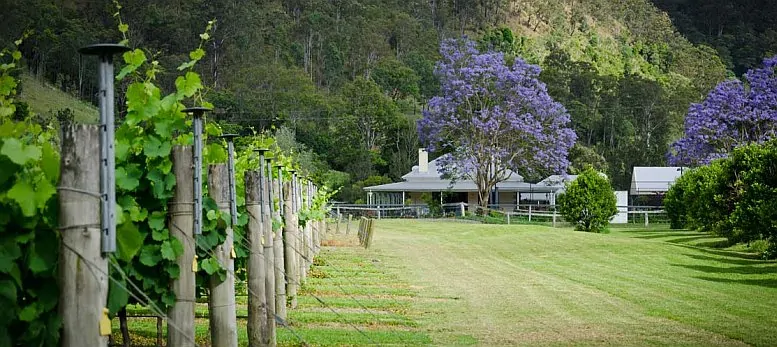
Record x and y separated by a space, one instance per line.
653 180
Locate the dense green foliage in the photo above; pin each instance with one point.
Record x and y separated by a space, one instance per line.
350 78
732 197
588 202
742 31
29 238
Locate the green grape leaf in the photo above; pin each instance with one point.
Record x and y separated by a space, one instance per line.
157 220
167 251
18 152
24 195
210 265
177 247
187 65
50 161
197 54
7 83
164 127
118 296
123 27
128 241
9 169
169 181
160 235
188 85
174 270
44 252
153 147
168 299
9 252
211 215
128 177
165 166
43 192
134 60
122 149
29 313
16 274
8 290
149 255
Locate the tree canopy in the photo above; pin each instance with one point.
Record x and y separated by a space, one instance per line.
493 118
733 114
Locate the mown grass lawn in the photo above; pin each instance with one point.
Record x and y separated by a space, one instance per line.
452 283
519 284
347 300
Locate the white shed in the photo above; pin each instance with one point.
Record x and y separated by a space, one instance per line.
653 180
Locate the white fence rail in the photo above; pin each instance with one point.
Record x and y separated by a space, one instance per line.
502 214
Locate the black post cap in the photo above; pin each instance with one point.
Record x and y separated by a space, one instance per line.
229 137
103 49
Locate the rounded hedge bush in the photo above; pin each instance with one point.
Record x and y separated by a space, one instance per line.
589 202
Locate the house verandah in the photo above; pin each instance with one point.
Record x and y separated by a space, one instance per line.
425 178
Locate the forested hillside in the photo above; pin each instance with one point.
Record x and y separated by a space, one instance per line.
742 31
344 81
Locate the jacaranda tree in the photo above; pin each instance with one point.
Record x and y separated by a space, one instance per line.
493 118
732 115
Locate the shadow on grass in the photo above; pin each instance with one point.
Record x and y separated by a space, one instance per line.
768 283
742 269
665 234
726 260
719 252
688 239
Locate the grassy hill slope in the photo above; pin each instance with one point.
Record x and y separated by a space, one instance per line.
47 100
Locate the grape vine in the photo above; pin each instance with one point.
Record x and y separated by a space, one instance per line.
29 241
146 252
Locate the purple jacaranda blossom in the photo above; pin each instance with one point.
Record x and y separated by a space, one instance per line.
493 118
732 115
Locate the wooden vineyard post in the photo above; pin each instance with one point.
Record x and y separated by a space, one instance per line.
257 299
337 227
362 228
348 226
290 242
278 250
221 301
181 226
369 228
83 271
303 251
269 253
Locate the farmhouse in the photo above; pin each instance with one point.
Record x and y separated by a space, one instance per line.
426 178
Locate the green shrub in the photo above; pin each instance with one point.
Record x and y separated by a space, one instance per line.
752 170
676 202
588 202
435 207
